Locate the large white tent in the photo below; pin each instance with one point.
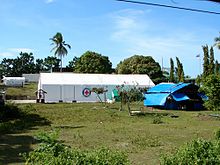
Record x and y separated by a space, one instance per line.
69 87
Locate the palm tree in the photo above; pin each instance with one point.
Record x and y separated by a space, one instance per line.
217 42
60 47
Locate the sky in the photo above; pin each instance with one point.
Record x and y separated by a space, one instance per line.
115 29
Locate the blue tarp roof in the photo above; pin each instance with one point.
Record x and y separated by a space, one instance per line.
156 99
167 87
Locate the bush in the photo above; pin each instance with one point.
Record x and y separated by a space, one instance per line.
52 151
157 120
197 152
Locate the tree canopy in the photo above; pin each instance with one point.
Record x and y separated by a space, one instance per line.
92 62
139 64
60 47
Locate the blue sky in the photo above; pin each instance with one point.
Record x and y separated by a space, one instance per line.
114 29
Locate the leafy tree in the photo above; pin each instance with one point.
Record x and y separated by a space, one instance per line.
211 87
139 64
171 79
72 63
217 67
60 47
179 70
217 42
26 63
51 62
39 66
211 62
92 62
206 61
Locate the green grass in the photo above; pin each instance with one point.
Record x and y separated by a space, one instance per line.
91 126
26 92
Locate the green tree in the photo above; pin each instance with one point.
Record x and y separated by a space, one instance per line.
60 47
172 78
211 87
139 64
51 62
217 67
217 42
211 61
205 60
179 70
92 62
26 63
39 66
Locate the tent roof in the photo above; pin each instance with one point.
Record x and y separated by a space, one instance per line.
95 79
167 87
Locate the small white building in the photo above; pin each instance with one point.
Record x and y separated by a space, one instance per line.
31 77
76 87
14 81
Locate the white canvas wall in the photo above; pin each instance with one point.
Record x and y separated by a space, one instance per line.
68 87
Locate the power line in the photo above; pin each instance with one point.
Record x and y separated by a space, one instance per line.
169 6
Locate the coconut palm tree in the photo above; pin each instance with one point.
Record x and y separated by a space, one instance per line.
217 42
60 47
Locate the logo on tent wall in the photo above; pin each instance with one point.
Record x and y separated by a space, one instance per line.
86 92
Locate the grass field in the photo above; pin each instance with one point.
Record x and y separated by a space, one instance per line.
91 126
26 92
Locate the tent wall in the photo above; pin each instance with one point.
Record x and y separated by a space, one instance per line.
67 87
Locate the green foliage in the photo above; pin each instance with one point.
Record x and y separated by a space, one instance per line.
179 71
157 119
217 134
92 62
197 152
139 64
172 78
52 151
211 87
60 49
205 60
211 61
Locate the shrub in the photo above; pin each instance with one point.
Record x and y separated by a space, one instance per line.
52 151
157 120
197 152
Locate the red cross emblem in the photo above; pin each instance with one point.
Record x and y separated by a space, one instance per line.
86 92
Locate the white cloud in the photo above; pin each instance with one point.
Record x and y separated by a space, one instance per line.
142 36
18 50
49 1
6 54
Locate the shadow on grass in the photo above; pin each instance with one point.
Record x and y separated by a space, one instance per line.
13 139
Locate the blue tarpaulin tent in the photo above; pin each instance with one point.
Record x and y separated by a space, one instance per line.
174 96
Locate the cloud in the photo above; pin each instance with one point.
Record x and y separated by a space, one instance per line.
6 54
49 1
18 50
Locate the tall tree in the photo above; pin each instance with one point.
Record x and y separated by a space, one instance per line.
179 71
217 42
217 67
211 61
205 60
60 47
139 64
92 62
172 78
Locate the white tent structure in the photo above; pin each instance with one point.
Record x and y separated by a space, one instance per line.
14 81
76 87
